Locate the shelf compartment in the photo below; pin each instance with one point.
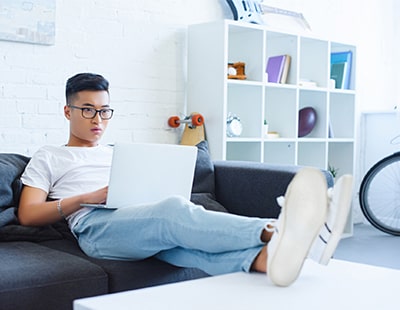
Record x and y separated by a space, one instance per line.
244 101
340 47
283 44
312 154
340 155
246 45
247 151
314 61
279 152
341 115
280 111
318 101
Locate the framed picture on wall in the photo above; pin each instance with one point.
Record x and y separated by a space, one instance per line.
28 21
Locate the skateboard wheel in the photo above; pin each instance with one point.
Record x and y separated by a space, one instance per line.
173 121
197 119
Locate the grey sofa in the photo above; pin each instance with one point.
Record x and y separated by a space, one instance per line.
44 268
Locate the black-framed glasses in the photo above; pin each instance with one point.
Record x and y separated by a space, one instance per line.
90 113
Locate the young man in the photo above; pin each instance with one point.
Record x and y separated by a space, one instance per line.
58 179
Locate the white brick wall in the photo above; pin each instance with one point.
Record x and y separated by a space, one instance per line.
138 45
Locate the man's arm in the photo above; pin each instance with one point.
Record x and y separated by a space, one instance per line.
35 210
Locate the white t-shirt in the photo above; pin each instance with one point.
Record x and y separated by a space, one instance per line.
63 171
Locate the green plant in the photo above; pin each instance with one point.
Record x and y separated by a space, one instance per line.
333 170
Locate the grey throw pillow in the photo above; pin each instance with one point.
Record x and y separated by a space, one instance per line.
11 168
203 191
203 181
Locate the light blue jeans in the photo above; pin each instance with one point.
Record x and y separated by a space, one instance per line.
176 231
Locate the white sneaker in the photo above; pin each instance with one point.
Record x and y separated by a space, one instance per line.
302 215
331 232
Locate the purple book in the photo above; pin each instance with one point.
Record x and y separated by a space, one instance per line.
275 68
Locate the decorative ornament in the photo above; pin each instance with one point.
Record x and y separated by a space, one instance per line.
307 120
236 71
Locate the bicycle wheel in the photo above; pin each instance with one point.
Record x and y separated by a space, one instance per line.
380 195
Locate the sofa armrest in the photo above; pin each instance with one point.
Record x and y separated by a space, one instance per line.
251 189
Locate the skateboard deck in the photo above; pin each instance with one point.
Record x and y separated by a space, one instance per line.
193 133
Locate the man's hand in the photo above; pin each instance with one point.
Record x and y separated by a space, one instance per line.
96 197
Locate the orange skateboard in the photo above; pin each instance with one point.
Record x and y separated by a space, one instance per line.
193 132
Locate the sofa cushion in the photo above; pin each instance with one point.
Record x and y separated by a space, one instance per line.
129 275
37 277
203 190
16 232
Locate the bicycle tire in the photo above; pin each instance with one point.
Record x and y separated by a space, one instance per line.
380 195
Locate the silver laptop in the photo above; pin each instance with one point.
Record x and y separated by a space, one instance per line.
145 173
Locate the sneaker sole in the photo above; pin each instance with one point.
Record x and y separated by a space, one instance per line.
343 189
304 214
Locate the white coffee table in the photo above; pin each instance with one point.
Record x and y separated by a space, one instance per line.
340 285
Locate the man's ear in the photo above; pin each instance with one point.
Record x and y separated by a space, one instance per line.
67 112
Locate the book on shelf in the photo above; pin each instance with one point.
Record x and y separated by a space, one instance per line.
341 69
278 68
285 70
338 73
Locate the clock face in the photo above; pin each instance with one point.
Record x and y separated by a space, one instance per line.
234 127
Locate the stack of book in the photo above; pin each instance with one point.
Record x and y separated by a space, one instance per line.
341 69
278 68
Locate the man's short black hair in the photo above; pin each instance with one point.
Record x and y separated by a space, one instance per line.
84 81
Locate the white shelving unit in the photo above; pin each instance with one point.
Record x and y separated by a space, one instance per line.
212 46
